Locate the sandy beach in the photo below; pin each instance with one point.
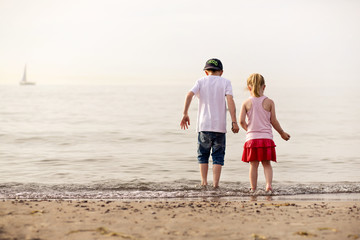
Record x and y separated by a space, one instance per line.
178 219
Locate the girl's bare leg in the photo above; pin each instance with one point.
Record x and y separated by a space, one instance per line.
216 174
253 174
268 171
203 172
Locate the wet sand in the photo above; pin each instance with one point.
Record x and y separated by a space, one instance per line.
179 219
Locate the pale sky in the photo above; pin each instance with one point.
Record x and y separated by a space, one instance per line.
163 41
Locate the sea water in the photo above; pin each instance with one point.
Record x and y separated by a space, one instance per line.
125 142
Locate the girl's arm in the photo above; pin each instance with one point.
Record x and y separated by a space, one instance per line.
275 123
242 117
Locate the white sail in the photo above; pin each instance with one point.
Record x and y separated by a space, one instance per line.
24 79
24 76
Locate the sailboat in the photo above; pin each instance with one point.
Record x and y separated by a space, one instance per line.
24 81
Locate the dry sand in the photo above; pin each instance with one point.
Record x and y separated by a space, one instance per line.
178 219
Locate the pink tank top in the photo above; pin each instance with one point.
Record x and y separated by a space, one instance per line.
259 125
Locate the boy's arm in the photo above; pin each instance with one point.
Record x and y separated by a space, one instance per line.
243 123
275 123
232 110
185 121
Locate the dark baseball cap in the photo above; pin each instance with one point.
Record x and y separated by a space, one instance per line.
213 64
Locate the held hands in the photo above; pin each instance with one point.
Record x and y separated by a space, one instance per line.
185 122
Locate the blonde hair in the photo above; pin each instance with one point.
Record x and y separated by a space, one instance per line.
255 81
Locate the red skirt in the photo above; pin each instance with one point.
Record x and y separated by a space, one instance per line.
259 150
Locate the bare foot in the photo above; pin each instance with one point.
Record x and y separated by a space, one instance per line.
269 190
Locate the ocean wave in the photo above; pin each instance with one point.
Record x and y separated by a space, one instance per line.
152 190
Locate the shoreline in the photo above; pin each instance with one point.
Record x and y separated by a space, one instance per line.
118 189
327 197
178 219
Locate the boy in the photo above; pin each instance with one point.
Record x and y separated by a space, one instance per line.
211 121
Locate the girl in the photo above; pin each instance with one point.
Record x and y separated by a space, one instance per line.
259 145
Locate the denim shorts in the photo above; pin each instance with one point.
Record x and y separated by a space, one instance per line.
214 142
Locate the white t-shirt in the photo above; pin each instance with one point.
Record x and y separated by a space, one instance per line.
211 91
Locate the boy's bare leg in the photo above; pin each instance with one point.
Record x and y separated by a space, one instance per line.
268 174
203 172
216 174
253 174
